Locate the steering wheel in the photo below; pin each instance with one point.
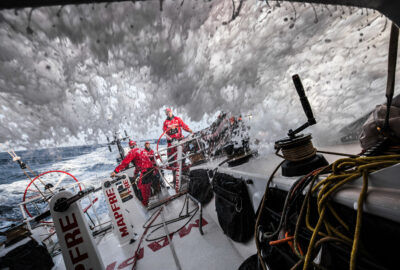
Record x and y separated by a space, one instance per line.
50 187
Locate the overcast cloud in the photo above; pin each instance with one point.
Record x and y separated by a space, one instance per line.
72 75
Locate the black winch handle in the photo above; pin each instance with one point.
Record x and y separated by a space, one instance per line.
304 100
42 216
391 77
116 179
63 204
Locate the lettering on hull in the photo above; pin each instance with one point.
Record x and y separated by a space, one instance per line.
157 245
77 245
122 229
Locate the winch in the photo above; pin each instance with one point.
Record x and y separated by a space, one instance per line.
297 149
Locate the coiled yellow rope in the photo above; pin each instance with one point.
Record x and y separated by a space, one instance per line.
343 171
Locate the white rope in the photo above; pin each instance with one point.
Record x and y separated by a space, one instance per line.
16 158
10 152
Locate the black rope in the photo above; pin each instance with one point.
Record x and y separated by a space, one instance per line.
170 222
158 226
285 208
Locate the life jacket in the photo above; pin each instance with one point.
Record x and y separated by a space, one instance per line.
178 124
150 154
140 159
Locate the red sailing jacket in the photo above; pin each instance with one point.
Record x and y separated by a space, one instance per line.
140 159
176 124
151 155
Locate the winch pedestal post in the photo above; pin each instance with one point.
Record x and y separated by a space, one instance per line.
122 228
178 174
78 248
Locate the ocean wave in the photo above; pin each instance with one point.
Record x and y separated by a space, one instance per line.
87 163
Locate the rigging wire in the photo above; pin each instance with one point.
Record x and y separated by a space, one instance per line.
171 245
23 166
136 255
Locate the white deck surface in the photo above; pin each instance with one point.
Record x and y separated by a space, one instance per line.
213 250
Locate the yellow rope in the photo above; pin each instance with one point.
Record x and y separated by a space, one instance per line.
334 213
343 171
357 232
303 207
313 239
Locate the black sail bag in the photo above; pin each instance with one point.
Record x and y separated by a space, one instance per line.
234 209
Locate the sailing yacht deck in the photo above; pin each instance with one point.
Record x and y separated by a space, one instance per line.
213 250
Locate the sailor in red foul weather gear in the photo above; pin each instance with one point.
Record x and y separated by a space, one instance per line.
150 153
143 167
132 144
157 178
173 126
